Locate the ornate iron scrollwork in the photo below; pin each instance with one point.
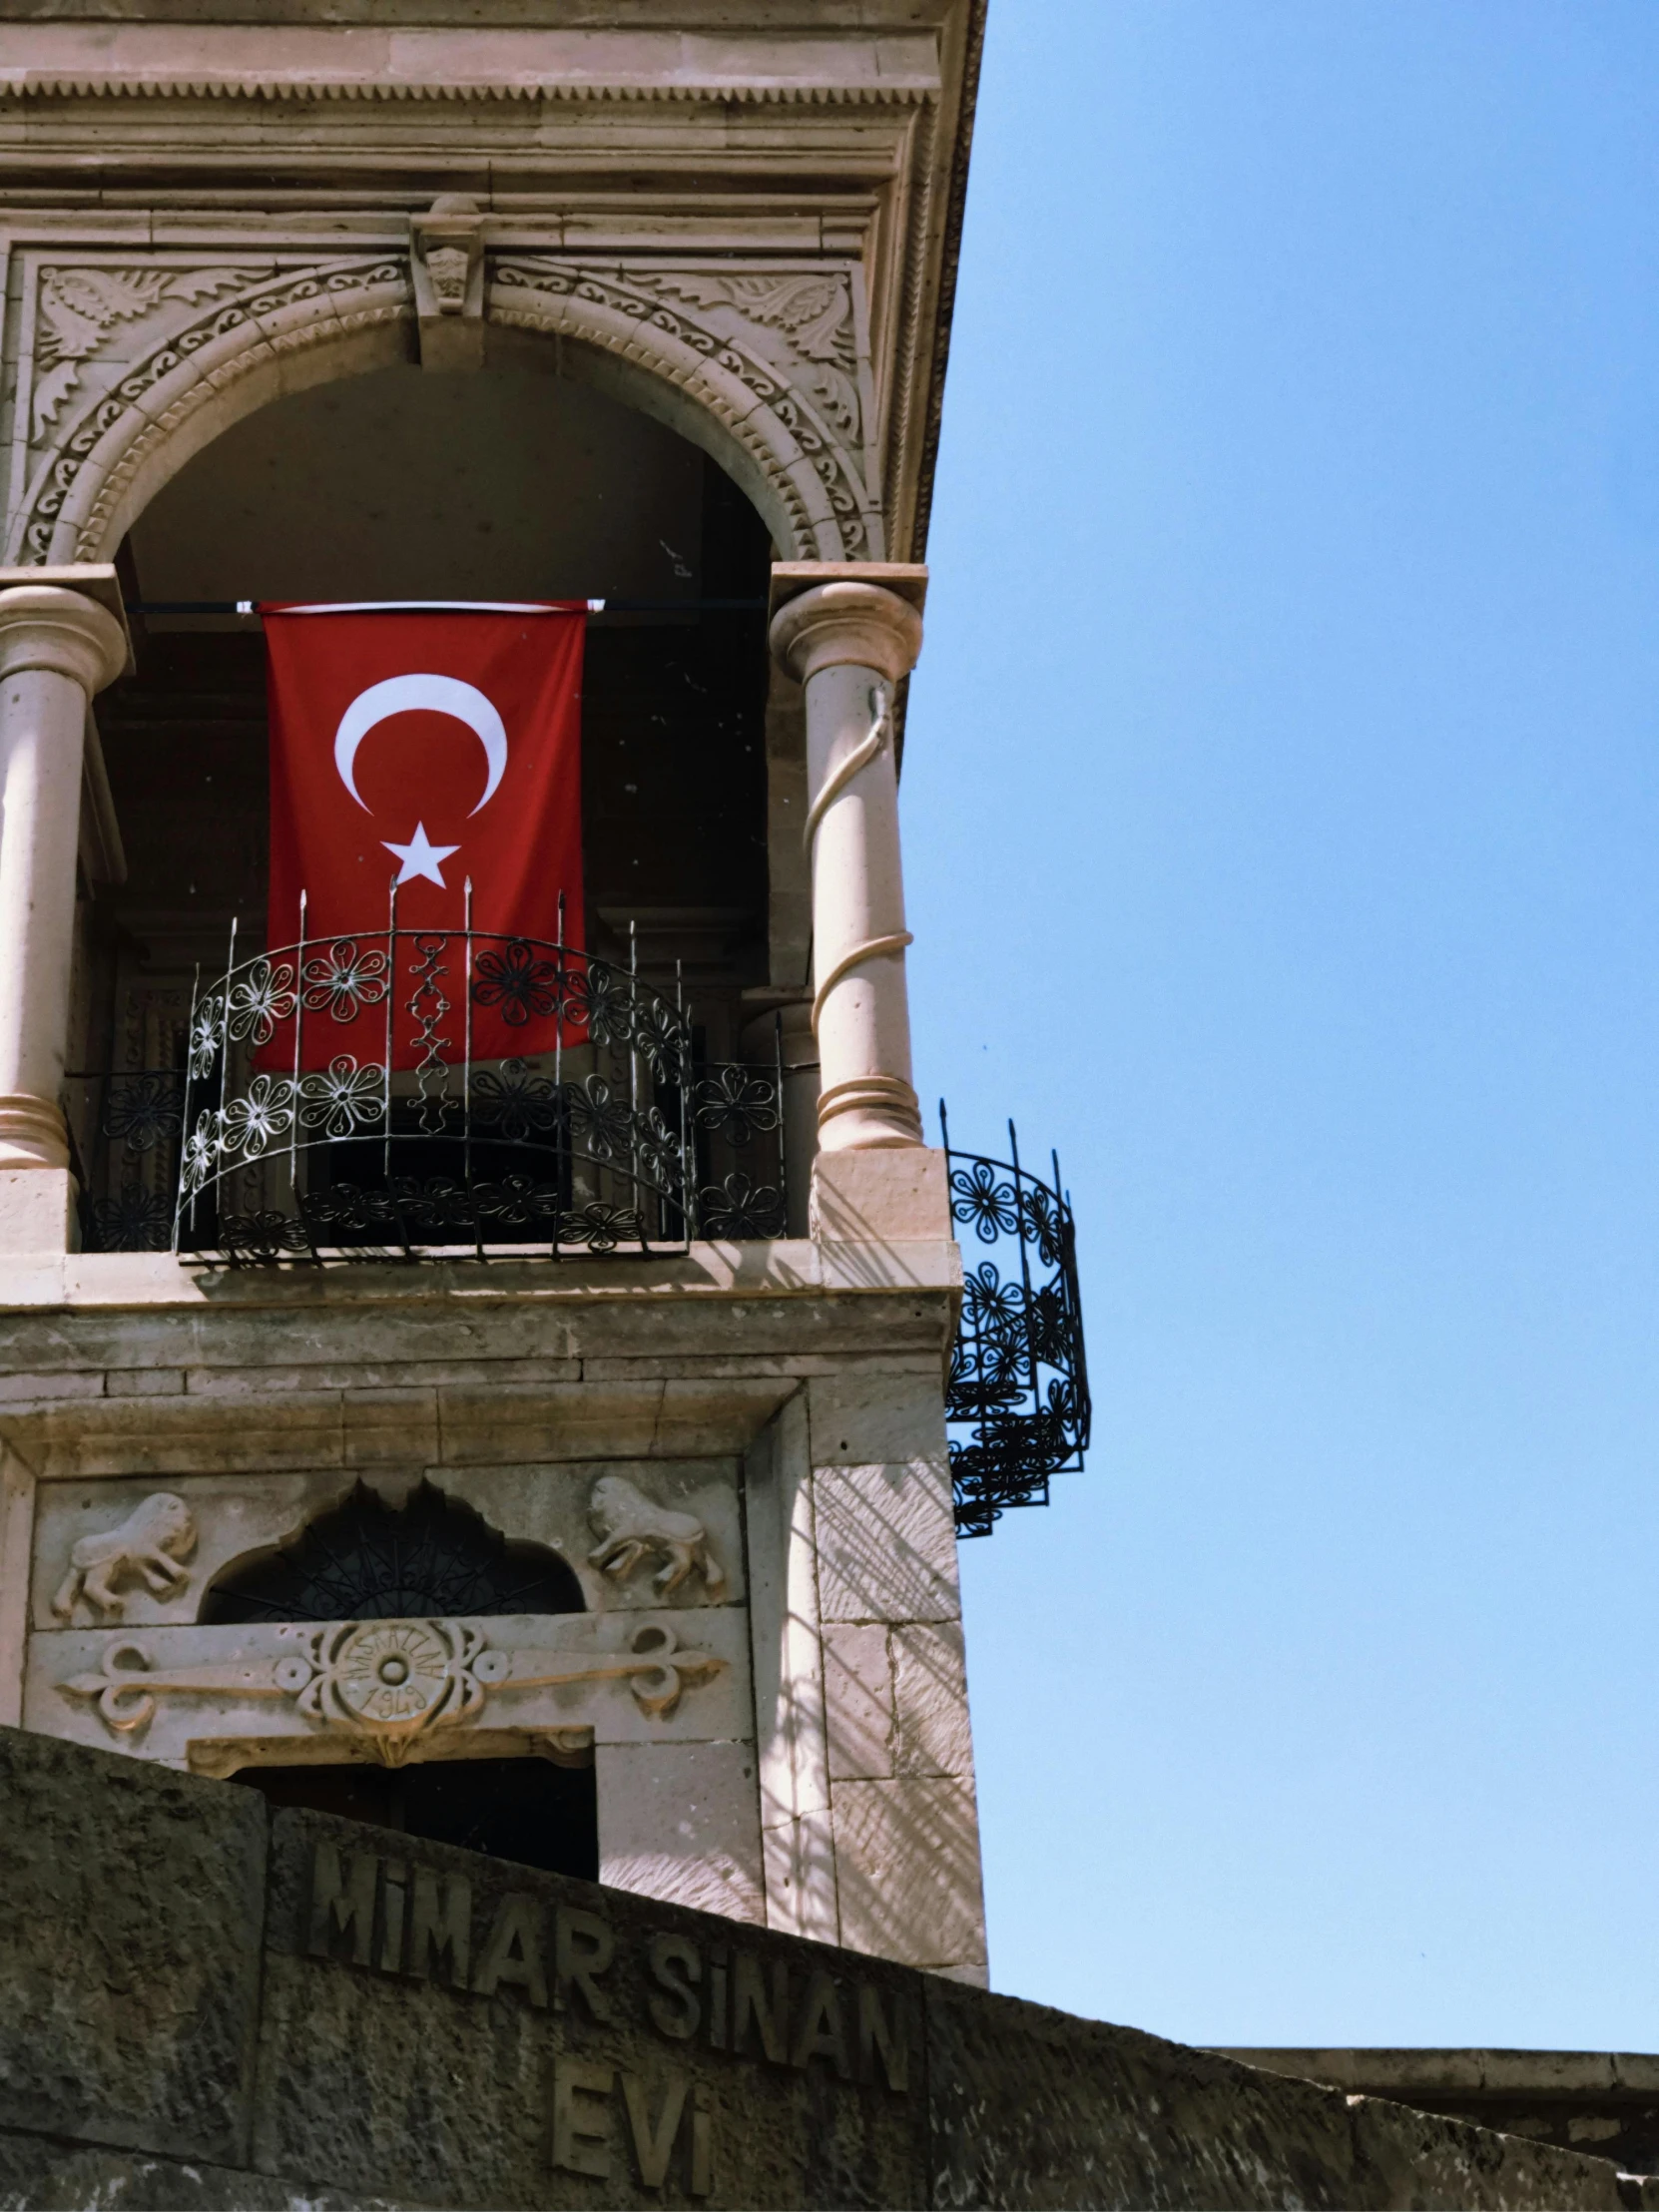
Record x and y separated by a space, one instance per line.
1017 1400
335 1105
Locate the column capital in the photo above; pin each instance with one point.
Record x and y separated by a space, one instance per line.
62 620
833 614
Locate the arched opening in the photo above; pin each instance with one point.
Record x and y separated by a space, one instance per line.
400 483
431 1557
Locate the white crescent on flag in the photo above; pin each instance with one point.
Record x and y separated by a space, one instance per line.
440 694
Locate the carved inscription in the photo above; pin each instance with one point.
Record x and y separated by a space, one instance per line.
585 2115
390 1917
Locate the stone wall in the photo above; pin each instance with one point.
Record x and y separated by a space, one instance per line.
202 2004
818 1772
1602 2101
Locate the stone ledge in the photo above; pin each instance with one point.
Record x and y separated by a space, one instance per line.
537 2045
787 1268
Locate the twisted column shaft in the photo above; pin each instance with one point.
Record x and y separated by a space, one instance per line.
849 643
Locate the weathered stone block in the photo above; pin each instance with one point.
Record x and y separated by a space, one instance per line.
907 1871
50 2176
859 1700
931 1732
682 1821
886 1543
1034 2108
898 1196
859 1419
129 1941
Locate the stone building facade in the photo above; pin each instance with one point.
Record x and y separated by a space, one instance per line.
319 299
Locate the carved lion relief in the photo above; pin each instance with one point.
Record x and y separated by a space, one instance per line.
147 1546
634 1528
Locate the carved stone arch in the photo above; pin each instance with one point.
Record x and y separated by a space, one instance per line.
786 419
764 370
110 455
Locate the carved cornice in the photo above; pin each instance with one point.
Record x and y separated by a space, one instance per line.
559 92
945 305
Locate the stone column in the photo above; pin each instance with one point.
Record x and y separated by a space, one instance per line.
58 647
850 640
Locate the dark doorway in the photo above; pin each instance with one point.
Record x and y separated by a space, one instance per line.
527 1810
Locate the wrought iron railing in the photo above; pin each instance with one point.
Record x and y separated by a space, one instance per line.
127 1130
1018 1403
336 1105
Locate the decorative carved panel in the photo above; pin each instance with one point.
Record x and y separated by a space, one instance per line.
128 364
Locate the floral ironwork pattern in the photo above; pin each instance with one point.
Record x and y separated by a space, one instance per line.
204 1034
344 979
601 1134
264 997
737 1102
135 1220
145 1109
517 982
516 1102
739 1208
1017 1398
263 1113
341 1098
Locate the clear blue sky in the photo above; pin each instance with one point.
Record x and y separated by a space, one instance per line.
1282 810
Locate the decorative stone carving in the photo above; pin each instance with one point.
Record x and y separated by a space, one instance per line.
775 358
80 306
448 270
808 316
778 356
156 1535
634 1528
82 467
390 1682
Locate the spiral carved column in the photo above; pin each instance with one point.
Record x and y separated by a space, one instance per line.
850 642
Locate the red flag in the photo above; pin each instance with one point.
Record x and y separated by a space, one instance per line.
422 747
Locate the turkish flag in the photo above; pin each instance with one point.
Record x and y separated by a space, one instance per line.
415 749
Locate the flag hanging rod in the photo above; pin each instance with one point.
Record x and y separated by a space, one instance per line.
594 606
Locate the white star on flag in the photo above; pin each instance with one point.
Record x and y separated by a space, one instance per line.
420 857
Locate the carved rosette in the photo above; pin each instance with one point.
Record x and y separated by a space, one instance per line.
391 1680
392 1683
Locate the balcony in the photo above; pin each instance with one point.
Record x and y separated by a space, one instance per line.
1018 1403
332 1108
